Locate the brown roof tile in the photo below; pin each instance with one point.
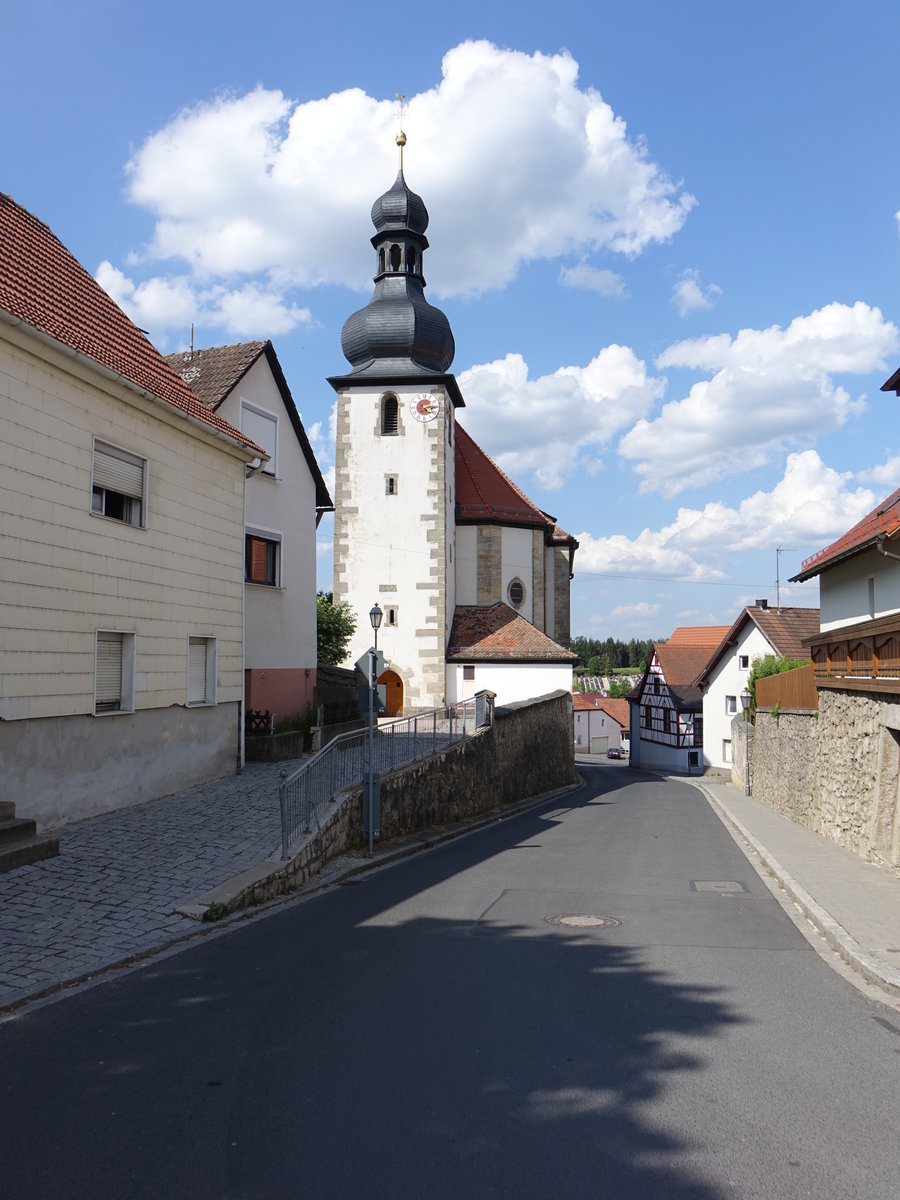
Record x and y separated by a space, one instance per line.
44 286
882 521
697 635
497 633
485 493
213 373
783 628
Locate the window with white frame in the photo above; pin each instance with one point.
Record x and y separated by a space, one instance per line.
113 672
744 662
262 558
201 680
730 705
261 427
118 484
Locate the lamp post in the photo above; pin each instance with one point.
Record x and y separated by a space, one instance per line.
745 704
375 616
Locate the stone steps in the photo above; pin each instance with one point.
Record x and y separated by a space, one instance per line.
20 843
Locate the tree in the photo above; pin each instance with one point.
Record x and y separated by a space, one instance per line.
335 624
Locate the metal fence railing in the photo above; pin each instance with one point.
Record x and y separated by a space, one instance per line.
345 760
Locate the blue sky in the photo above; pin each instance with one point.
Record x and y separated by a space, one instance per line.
666 237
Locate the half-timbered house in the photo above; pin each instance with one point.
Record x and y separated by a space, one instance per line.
667 706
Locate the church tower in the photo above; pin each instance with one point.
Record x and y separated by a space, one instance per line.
394 528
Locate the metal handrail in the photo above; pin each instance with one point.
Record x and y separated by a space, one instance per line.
344 760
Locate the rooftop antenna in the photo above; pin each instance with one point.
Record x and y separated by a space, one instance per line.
401 136
779 550
191 359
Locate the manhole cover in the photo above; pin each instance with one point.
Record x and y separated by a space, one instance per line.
583 921
723 886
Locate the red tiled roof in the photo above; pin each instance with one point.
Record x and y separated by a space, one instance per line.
682 664
698 635
44 286
485 493
496 633
883 521
615 707
213 374
783 628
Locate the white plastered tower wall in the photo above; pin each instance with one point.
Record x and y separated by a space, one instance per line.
393 534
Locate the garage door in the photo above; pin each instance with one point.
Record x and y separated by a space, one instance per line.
599 745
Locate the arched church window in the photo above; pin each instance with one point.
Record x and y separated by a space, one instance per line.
395 257
389 415
516 593
381 261
413 258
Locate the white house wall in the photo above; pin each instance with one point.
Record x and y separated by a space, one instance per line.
844 592
510 681
593 724
280 621
729 679
65 573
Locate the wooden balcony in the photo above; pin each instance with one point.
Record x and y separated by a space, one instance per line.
861 657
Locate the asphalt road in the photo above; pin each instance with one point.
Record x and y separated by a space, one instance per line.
425 1032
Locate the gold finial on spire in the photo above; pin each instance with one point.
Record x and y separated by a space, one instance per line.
401 136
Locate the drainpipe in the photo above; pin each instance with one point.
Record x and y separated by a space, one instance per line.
879 546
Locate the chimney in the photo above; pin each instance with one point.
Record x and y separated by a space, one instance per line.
763 604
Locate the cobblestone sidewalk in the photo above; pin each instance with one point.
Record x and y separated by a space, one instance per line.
113 890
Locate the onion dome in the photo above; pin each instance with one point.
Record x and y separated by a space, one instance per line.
398 332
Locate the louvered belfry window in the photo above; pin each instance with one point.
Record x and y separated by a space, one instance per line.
389 416
118 484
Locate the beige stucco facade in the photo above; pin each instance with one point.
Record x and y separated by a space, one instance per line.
68 572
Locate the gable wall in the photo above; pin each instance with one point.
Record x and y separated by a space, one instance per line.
728 680
844 594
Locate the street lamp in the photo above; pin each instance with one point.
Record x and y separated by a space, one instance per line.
745 704
375 616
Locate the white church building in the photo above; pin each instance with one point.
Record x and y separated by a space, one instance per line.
473 579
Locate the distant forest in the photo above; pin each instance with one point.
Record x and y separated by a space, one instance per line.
603 658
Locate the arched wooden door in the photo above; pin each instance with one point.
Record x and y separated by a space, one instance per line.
393 693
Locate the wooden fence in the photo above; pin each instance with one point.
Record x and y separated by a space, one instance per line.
791 690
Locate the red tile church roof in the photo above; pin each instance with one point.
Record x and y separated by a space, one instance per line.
496 633
43 286
883 521
485 493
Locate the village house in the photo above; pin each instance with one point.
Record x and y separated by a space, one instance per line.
758 631
122 550
472 577
601 724
286 498
667 705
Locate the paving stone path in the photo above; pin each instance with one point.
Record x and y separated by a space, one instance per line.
113 890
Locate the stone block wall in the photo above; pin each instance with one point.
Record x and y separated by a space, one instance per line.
527 751
836 772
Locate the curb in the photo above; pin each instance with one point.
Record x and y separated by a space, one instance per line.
872 969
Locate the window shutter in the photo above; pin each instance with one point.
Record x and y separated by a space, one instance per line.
197 649
120 472
109 670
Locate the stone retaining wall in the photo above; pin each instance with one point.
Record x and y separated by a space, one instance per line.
836 772
528 750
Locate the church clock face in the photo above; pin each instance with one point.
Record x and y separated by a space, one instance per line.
424 407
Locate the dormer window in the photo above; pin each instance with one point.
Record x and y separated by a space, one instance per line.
389 416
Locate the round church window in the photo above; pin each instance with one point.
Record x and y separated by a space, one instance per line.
516 593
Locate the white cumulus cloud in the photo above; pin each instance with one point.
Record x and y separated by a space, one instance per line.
688 294
810 505
769 389
586 278
556 424
515 160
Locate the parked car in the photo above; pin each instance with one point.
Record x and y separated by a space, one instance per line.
614 752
